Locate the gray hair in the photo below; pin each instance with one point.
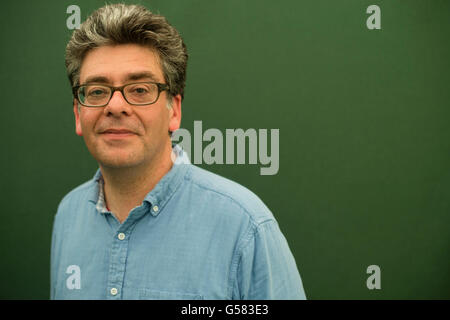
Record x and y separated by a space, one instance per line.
123 24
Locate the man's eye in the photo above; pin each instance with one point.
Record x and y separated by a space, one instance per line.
97 92
140 90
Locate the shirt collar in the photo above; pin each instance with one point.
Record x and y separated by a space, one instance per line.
161 193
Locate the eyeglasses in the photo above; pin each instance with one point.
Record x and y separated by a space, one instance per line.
137 94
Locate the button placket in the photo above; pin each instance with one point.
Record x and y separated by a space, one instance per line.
119 251
118 257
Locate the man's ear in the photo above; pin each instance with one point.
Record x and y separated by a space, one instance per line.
175 114
76 112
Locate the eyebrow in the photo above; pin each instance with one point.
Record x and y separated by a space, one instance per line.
130 77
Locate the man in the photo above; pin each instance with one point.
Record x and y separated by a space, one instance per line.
150 225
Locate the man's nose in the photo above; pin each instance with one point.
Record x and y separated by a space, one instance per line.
117 105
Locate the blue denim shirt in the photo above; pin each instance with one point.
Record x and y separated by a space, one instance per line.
196 235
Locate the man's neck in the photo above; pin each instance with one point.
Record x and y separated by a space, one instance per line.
126 188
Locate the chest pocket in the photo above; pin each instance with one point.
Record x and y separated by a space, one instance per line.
147 294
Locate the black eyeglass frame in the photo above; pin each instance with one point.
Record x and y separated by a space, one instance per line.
161 87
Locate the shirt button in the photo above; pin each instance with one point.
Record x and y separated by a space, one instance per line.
113 291
121 236
155 208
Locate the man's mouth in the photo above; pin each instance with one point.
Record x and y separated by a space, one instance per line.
117 133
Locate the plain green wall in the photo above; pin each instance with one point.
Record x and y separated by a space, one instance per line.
364 132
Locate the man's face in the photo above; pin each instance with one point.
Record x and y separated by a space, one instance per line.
121 135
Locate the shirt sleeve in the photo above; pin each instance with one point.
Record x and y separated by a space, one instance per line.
267 269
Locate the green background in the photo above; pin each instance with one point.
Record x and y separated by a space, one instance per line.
364 132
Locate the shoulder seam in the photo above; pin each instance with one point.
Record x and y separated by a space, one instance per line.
255 223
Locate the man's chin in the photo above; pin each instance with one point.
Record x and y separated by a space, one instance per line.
118 162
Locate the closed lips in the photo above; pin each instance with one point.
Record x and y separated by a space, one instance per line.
117 131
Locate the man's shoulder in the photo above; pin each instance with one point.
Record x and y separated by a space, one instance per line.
232 192
84 191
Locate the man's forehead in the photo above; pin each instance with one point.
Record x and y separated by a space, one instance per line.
131 76
109 64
